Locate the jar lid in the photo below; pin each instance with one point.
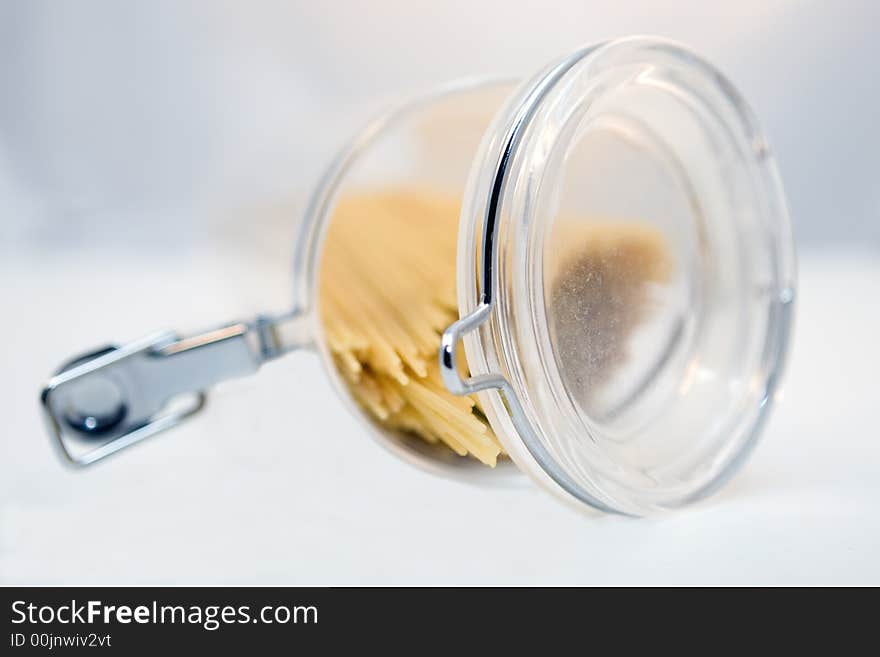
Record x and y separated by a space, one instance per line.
625 277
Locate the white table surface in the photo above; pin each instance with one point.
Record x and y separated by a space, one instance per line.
274 483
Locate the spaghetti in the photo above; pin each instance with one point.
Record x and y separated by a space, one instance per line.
387 292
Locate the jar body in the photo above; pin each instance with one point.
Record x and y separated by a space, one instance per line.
409 146
637 128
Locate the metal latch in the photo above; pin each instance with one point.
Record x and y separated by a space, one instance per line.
108 399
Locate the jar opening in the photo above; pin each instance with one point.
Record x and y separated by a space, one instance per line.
644 278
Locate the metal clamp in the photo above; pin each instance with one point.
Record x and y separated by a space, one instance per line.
118 395
452 335
452 379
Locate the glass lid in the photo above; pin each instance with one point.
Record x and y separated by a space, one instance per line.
625 276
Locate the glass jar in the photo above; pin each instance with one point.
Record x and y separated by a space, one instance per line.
636 127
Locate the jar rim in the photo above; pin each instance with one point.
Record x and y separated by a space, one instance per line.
496 215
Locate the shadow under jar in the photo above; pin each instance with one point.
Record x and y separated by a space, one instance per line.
624 273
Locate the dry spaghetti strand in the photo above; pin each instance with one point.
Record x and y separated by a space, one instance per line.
387 290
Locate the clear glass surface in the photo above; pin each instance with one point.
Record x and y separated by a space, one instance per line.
645 277
645 272
425 143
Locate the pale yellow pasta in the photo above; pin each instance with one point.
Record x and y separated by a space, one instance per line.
387 292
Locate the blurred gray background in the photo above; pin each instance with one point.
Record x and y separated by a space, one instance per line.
129 122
